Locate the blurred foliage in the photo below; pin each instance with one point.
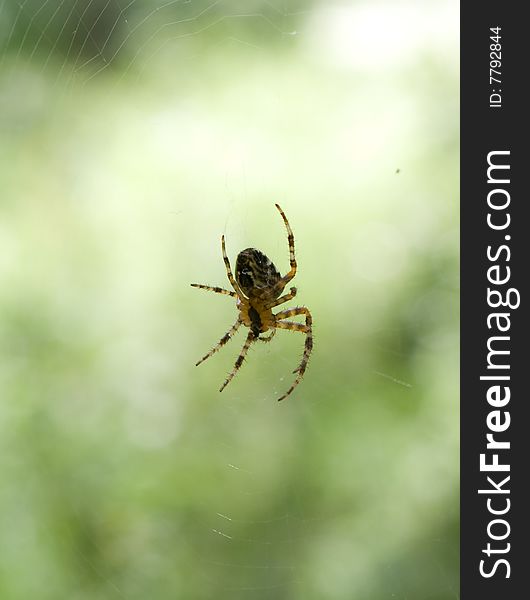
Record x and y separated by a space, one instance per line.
124 473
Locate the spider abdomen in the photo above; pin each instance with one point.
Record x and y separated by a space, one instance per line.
256 273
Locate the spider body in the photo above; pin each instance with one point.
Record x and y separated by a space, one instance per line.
256 275
258 288
258 279
257 318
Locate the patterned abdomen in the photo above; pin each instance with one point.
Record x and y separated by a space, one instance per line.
255 273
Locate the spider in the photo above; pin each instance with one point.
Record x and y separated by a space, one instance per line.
258 289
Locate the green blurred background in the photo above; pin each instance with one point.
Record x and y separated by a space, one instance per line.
134 134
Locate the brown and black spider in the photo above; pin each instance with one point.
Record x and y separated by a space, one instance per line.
258 287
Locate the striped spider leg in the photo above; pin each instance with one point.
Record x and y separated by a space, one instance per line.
303 328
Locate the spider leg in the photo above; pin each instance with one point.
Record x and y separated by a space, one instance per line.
215 289
250 338
290 237
307 329
233 282
226 337
282 299
269 337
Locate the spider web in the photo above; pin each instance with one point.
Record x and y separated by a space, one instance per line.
142 481
85 39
